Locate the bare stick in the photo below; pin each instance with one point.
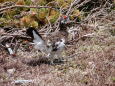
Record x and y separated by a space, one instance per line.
24 6
84 2
90 35
71 6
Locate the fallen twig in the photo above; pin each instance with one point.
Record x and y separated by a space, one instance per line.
87 35
71 6
25 6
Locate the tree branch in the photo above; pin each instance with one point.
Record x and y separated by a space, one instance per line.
24 6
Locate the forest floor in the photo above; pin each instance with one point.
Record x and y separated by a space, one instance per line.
89 61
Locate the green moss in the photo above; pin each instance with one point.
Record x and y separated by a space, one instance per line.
53 18
2 1
42 2
113 79
42 13
112 31
2 22
28 2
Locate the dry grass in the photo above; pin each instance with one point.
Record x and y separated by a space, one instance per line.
90 62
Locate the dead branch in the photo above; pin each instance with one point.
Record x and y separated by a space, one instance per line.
75 1
12 36
90 35
76 4
81 4
24 6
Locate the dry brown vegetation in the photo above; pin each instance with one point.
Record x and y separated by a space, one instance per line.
89 58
